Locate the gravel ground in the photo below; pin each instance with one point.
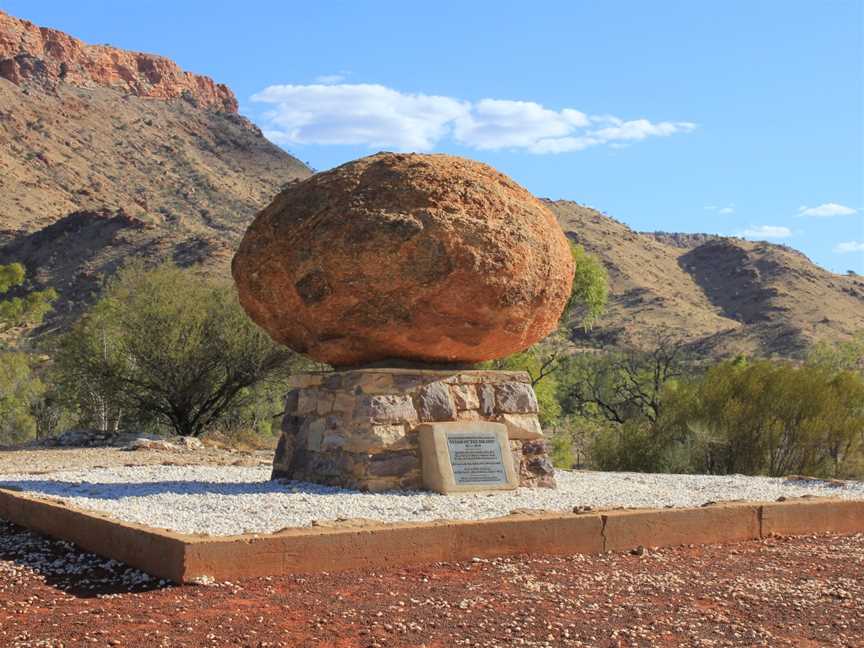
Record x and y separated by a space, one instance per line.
42 460
806 591
228 500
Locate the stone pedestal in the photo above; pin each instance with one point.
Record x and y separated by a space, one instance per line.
359 428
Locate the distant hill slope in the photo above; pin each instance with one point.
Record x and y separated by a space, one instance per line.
107 154
723 295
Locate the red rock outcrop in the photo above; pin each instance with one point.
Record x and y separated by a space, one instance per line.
427 258
28 51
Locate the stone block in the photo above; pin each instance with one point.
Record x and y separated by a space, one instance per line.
378 438
343 402
283 457
486 395
403 382
434 403
333 440
385 409
372 382
465 397
291 400
392 464
307 402
314 434
325 403
522 426
333 381
516 398
305 380
291 424
466 457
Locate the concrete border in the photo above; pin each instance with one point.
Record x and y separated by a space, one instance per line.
184 558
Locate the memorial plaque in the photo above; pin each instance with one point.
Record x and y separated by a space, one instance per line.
466 456
476 458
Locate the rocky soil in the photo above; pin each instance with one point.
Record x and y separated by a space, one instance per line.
806 591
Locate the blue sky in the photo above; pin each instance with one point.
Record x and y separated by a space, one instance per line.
732 117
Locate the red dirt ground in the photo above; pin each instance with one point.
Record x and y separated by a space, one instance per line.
805 591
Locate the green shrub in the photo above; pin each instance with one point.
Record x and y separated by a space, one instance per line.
166 347
20 390
774 418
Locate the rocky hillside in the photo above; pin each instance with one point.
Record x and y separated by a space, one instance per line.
107 154
723 295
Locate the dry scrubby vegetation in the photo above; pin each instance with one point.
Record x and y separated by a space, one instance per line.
663 411
164 350
168 351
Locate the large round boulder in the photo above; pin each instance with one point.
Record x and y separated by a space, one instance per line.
428 258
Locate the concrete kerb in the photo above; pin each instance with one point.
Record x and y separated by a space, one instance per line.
185 558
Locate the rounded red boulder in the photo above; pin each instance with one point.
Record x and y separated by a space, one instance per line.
429 258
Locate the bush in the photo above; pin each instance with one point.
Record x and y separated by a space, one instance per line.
168 348
773 418
29 309
20 391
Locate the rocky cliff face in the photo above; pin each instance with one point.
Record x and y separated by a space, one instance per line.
30 52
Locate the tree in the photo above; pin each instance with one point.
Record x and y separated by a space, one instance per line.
587 302
624 385
167 345
590 290
20 389
29 309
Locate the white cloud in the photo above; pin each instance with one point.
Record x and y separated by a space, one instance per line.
825 210
767 231
498 123
370 115
374 115
726 210
639 129
849 246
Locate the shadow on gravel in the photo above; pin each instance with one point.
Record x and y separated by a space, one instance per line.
114 491
63 565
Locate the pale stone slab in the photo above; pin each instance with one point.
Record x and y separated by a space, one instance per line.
466 456
525 427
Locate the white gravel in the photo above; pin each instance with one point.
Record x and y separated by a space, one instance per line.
228 500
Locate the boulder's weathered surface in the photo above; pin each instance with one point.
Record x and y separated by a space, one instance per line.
428 258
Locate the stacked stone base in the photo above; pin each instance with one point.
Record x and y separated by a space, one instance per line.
358 429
